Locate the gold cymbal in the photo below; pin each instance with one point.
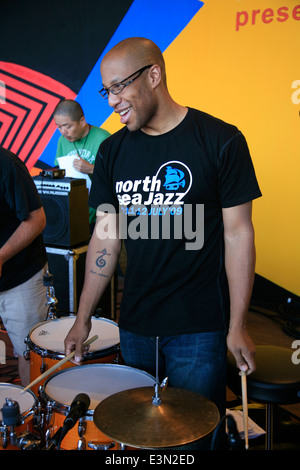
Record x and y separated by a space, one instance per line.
129 417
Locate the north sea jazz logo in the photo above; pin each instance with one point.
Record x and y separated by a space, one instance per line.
157 207
167 187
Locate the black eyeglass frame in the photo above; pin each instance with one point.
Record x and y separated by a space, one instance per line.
105 91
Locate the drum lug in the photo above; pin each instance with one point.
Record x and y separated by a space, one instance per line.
81 445
47 415
48 435
26 353
95 445
37 417
43 366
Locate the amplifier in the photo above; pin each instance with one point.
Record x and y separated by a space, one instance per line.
46 183
65 202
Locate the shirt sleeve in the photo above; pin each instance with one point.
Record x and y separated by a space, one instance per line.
21 192
102 187
236 175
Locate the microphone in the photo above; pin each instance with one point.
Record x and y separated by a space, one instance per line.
78 408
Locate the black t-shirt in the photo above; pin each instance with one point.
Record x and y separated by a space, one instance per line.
175 284
18 197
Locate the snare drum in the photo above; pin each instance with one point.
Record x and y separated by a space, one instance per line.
46 345
98 381
27 402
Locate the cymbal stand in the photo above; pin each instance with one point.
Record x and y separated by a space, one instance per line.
51 299
156 399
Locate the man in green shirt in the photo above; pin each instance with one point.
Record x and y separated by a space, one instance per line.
78 139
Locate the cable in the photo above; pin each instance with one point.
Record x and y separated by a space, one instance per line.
234 440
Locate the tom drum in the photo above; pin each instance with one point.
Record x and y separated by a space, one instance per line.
98 381
46 345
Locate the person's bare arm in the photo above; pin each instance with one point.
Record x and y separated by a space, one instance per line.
101 261
27 231
240 269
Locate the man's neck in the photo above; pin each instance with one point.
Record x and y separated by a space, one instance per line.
85 132
166 119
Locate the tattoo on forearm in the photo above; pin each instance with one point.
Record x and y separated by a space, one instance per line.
98 274
101 262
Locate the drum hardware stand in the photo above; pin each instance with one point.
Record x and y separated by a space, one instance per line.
95 445
52 312
156 400
51 299
11 417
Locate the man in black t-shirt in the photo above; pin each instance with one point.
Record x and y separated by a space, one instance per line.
187 282
22 255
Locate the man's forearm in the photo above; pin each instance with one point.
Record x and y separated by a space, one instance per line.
240 269
101 261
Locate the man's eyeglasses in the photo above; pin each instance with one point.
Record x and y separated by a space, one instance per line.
116 88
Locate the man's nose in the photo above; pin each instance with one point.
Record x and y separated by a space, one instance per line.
113 100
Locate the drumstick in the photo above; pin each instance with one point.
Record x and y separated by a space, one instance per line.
245 407
56 366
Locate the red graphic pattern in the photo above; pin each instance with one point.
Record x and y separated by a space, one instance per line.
26 123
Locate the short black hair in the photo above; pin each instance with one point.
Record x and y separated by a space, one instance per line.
69 108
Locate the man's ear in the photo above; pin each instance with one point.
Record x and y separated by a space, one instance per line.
155 75
82 121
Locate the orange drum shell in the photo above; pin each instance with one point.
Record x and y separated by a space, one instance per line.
70 441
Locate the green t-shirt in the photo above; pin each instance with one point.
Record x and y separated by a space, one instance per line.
87 149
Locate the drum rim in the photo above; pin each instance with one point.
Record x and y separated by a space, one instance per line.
51 354
62 407
24 417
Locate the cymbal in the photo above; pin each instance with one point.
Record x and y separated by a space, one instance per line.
129 417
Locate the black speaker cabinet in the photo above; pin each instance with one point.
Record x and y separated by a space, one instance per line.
67 267
65 202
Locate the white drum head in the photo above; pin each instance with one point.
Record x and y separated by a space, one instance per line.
98 381
50 335
26 399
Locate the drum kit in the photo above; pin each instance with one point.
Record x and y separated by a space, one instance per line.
126 407
100 405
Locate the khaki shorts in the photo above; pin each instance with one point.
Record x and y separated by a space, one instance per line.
21 308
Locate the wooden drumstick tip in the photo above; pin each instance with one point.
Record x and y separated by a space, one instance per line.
56 366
